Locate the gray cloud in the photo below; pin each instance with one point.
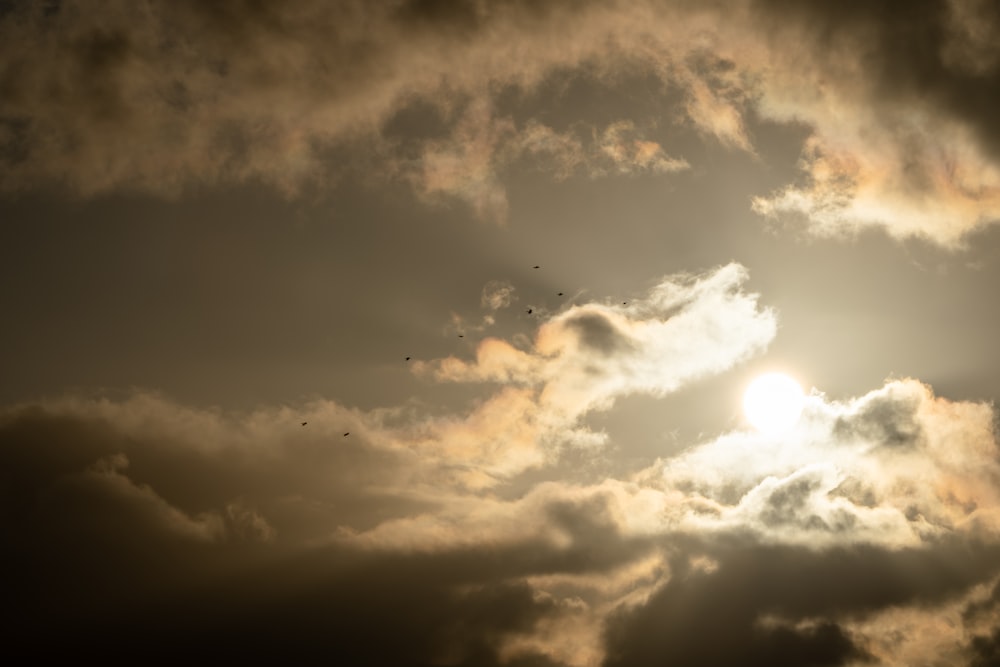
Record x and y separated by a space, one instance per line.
198 527
981 621
986 650
211 513
99 543
890 419
492 520
249 534
167 97
740 611
596 332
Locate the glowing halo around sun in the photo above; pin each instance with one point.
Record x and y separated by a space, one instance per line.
773 402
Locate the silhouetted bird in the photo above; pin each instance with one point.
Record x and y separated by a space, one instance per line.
407 358
304 423
560 294
461 335
529 311
536 267
347 434
624 303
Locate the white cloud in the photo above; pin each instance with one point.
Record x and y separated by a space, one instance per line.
586 356
897 467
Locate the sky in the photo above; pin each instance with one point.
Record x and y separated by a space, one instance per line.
417 332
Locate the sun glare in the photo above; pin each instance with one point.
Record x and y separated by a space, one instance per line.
773 402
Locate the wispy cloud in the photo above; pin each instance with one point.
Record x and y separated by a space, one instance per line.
470 164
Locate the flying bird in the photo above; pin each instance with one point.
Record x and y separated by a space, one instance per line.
560 294
461 335
304 423
529 311
347 434
407 358
536 267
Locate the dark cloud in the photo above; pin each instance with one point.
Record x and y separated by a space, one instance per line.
982 608
786 503
986 650
939 53
211 464
926 75
101 545
980 618
890 419
307 607
190 531
232 92
597 332
761 605
486 523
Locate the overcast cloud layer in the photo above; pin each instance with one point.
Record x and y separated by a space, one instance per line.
413 332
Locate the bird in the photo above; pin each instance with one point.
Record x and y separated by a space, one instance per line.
407 358
624 303
461 335
560 294
536 267
304 423
347 434
529 311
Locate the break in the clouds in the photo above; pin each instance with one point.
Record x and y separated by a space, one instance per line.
898 99
255 534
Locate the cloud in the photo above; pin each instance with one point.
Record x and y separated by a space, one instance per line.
868 535
929 180
149 540
172 96
497 294
898 467
684 328
495 534
190 529
786 605
471 162
939 633
168 516
901 135
630 153
583 359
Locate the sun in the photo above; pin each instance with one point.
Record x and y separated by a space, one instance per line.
773 402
